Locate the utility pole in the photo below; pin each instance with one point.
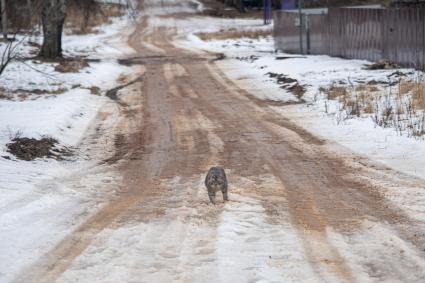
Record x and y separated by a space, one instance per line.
4 19
267 7
300 14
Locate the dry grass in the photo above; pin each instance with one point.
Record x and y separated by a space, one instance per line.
418 94
71 65
298 90
368 108
233 33
355 107
24 94
79 13
58 91
216 8
95 90
2 93
354 100
83 22
417 90
334 92
367 88
406 86
401 107
221 13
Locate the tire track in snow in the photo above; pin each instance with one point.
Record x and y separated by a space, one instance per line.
249 249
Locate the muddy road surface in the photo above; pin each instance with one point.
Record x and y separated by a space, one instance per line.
298 212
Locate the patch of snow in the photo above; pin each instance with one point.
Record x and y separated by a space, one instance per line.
371 252
59 105
257 250
362 136
93 45
165 7
47 116
39 206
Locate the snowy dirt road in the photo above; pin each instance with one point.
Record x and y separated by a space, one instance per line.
297 212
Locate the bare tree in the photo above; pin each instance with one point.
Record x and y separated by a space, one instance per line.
10 52
238 4
53 17
30 12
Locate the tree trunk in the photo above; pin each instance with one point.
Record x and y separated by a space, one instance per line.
4 19
29 7
53 18
238 4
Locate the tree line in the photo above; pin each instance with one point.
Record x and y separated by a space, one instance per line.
46 16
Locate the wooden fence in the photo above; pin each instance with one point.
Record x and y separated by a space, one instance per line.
358 33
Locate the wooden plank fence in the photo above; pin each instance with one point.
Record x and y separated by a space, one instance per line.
287 38
358 33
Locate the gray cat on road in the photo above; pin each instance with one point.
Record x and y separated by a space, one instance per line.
216 181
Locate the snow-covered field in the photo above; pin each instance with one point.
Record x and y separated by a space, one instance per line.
40 197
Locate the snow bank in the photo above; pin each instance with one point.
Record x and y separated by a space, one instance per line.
63 105
45 197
